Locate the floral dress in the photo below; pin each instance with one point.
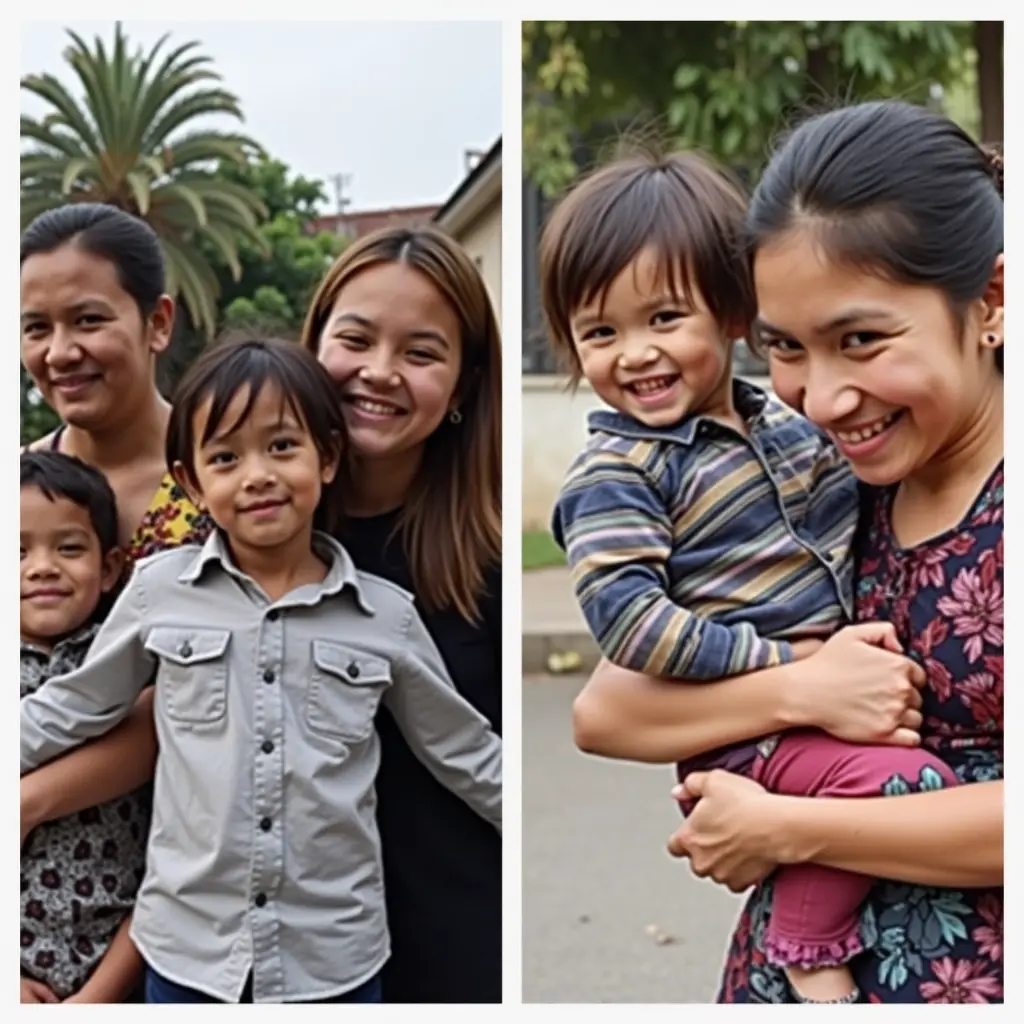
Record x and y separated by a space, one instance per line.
945 598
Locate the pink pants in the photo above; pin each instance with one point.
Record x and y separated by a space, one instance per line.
816 910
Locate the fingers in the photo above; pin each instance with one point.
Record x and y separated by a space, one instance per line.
881 634
677 843
904 737
911 719
913 698
917 674
694 784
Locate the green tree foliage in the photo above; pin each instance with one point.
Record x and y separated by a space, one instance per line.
131 141
725 87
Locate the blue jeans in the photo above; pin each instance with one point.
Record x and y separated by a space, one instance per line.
161 990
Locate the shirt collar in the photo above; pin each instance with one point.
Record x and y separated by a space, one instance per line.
750 401
81 637
341 571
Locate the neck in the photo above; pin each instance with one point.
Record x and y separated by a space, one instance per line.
971 458
382 485
118 446
281 569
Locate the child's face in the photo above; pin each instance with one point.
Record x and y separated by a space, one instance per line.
63 571
884 367
652 356
259 478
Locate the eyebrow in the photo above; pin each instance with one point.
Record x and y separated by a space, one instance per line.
286 422
844 319
35 314
658 302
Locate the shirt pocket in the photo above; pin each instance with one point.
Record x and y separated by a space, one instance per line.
345 691
192 681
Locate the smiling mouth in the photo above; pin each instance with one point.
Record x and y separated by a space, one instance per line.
264 506
870 430
46 595
651 386
375 406
75 383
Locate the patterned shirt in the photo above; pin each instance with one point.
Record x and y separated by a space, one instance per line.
79 874
696 552
264 855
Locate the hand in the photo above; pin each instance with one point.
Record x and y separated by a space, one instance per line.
728 834
860 687
33 991
805 648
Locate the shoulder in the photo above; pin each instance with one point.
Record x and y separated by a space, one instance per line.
608 456
383 594
165 565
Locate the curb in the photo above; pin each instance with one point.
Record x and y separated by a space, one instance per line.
542 652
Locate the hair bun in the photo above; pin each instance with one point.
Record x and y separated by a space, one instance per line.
994 155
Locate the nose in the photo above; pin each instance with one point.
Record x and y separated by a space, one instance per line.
259 474
41 566
378 370
638 352
829 396
63 350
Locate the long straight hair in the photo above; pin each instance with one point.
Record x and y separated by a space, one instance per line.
450 522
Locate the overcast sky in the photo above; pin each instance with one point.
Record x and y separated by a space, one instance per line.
395 105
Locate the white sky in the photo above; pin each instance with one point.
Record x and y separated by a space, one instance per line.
393 104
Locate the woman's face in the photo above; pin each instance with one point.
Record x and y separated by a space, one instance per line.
884 367
83 340
393 345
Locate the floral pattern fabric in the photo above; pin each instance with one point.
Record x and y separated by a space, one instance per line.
945 598
170 520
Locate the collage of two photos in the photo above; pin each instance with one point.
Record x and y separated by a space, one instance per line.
744 405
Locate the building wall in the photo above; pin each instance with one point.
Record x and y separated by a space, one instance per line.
554 430
482 240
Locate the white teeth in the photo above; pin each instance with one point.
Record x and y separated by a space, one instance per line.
647 387
857 436
378 408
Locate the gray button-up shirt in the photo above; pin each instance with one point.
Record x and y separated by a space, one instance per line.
264 854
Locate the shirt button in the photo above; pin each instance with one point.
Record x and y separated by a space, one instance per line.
268 675
266 824
260 899
185 650
353 670
268 747
273 615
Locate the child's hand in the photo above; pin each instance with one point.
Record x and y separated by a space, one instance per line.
33 991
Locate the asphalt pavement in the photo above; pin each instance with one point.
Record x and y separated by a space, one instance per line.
608 916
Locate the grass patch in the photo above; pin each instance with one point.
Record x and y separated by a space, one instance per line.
540 550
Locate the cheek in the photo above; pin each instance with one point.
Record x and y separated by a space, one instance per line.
788 382
338 362
432 389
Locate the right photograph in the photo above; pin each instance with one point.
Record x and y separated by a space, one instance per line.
762 494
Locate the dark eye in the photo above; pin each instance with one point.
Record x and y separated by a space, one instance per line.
858 339
91 320
600 333
778 345
282 444
34 328
667 316
220 459
71 550
354 341
427 354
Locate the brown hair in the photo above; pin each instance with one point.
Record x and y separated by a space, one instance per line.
451 521
230 366
681 205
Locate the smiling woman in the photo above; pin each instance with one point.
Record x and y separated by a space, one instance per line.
403 324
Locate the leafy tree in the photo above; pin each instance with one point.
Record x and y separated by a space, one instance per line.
725 87
128 142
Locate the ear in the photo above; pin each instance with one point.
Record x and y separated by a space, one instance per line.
161 325
992 302
187 484
113 566
329 466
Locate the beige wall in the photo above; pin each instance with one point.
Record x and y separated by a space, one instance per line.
482 240
554 430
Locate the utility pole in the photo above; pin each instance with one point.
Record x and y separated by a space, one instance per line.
341 183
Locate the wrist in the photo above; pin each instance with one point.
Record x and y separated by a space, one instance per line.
33 803
793 840
795 696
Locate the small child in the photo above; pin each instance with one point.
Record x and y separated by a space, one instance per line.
79 874
709 528
272 654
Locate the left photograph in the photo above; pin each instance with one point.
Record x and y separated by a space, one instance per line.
260 588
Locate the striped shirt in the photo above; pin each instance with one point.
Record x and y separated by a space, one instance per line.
698 553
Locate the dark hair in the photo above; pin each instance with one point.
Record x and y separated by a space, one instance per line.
689 210
101 230
65 476
451 518
227 368
891 187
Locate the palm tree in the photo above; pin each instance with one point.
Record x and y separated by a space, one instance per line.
127 143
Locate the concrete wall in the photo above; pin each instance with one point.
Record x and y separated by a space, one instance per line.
482 240
554 430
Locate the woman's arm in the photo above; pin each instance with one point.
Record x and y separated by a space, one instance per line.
738 833
856 687
103 770
950 837
116 975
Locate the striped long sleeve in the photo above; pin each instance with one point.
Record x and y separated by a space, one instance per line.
617 531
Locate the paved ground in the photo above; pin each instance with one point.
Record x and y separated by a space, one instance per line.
599 890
